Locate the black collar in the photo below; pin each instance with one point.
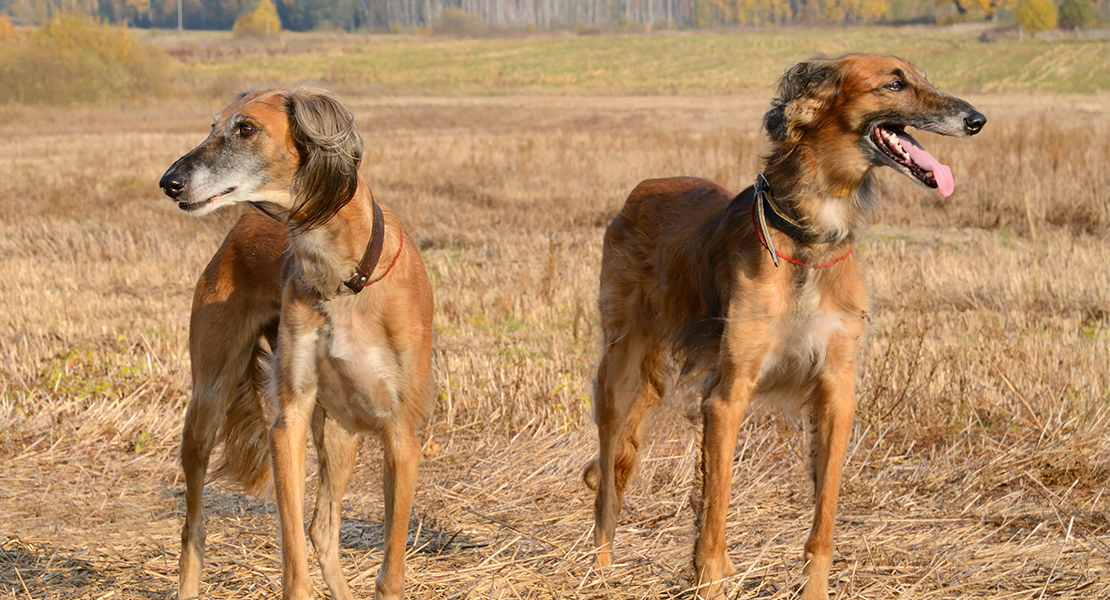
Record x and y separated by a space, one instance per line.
262 209
369 260
769 213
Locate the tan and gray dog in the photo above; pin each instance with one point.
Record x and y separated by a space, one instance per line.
296 323
758 293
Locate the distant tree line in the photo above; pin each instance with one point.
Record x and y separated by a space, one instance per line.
408 15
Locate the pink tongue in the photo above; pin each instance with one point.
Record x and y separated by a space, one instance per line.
945 184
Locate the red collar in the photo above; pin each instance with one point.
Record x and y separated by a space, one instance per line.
400 246
762 240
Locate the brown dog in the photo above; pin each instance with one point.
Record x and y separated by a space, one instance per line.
297 322
691 269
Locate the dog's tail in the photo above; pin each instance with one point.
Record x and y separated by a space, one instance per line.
591 475
245 434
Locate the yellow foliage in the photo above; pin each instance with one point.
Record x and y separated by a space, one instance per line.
762 12
854 11
980 8
73 58
262 22
7 30
1036 15
993 6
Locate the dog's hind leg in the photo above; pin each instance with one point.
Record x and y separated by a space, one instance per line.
401 447
831 420
628 385
224 383
225 404
197 441
336 448
225 356
651 390
230 315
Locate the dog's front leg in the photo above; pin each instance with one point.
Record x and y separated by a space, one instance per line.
401 448
296 380
722 414
833 409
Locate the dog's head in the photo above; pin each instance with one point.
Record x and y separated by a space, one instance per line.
856 109
298 151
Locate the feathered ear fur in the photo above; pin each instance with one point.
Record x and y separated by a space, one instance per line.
324 133
803 92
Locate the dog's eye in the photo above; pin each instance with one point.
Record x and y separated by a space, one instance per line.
245 130
896 86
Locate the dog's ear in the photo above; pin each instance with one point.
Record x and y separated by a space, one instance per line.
324 133
803 92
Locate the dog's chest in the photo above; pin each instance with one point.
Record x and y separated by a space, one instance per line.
800 342
359 374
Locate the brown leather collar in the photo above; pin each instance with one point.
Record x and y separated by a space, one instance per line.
369 260
373 253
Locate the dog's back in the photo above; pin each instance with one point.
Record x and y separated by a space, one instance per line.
654 270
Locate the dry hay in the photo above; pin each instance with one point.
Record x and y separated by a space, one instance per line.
981 453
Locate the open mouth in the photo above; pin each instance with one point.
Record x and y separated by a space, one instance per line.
907 153
195 206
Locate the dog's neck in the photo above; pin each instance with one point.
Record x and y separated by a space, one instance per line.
830 204
329 254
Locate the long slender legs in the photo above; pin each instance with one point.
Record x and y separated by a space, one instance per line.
197 439
401 447
337 449
628 385
832 415
287 450
722 414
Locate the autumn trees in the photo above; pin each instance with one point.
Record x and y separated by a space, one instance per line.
468 17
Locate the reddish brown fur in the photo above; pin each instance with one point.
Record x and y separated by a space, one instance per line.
683 271
341 364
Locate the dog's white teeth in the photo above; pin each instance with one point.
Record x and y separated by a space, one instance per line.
894 143
892 139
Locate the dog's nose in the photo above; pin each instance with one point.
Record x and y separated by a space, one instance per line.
172 184
975 122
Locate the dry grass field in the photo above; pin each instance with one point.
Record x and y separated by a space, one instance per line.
979 464
693 63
